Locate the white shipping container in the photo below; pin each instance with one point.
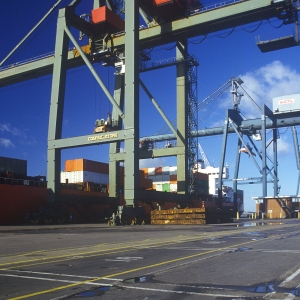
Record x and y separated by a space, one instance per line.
151 171
159 187
173 187
173 170
160 179
84 176
165 170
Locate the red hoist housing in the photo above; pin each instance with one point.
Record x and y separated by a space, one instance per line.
168 10
107 20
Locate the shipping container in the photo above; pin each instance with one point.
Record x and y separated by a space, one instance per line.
159 187
173 187
173 178
166 187
158 170
166 170
173 170
84 176
81 164
13 167
151 171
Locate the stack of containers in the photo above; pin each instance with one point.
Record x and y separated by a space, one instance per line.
81 170
165 179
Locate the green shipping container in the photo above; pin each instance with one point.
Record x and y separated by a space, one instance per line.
166 187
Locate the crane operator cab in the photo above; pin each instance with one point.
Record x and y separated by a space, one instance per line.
103 126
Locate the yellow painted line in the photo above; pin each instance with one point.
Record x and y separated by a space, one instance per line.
138 269
109 251
118 248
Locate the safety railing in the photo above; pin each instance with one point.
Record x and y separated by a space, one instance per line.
24 182
201 9
26 61
276 35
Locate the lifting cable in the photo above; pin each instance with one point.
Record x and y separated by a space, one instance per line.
224 37
199 42
251 31
276 26
250 97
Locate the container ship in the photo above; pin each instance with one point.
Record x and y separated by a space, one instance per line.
25 197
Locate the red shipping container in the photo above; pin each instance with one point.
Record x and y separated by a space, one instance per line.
158 171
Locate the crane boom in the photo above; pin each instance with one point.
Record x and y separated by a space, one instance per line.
204 157
236 13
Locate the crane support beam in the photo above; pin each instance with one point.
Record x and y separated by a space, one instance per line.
88 140
236 14
246 126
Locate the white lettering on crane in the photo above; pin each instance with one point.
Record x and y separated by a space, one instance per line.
102 137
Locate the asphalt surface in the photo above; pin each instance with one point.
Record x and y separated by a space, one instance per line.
247 259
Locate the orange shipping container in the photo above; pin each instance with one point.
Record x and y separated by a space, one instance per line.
173 178
81 164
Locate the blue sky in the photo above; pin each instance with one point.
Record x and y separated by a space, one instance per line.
25 106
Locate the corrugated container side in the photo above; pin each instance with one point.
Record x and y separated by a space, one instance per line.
84 176
173 187
173 170
165 178
202 183
173 178
155 178
166 187
158 171
151 171
159 187
202 176
96 166
81 164
146 183
166 170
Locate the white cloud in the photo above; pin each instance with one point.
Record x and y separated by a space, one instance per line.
269 81
6 143
283 147
8 128
28 141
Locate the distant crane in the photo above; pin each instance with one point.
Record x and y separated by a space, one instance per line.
204 157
